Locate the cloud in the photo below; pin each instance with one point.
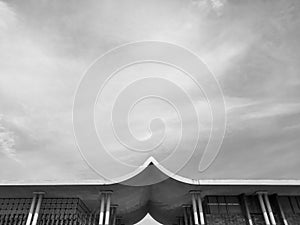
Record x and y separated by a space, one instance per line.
251 46
35 125
7 17
274 110
7 142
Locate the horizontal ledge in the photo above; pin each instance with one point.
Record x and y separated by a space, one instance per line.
205 182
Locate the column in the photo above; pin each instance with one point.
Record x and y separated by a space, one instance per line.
201 213
37 210
107 213
263 208
195 209
190 214
105 207
269 208
281 210
185 215
113 214
197 205
31 210
247 211
101 213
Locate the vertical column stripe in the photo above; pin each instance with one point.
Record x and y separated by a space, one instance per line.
107 213
247 211
202 222
263 208
114 215
266 197
186 222
31 210
195 210
101 214
190 214
37 210
281 211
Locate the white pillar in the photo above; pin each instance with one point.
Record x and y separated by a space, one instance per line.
190 214
114 214
281 211
201 213
269 208
107 213
37 210
186 221
101 213
247 211
263 208
31 210
195 210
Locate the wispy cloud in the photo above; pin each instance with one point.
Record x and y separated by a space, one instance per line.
7 142
251 46
273 110
7 17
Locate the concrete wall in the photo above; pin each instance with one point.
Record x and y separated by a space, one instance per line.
218 210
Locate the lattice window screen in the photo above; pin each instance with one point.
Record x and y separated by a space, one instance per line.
14 211
53 211
63 211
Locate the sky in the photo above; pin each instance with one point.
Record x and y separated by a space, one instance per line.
148 220
252 48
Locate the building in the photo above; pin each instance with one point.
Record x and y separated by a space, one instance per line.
171 201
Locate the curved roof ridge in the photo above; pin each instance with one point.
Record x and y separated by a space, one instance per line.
139 170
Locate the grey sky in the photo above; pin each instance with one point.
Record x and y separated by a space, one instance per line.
251 46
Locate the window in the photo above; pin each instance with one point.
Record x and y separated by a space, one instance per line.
253 204
295 204
290 204
223 205
285 204
233 203
213 206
